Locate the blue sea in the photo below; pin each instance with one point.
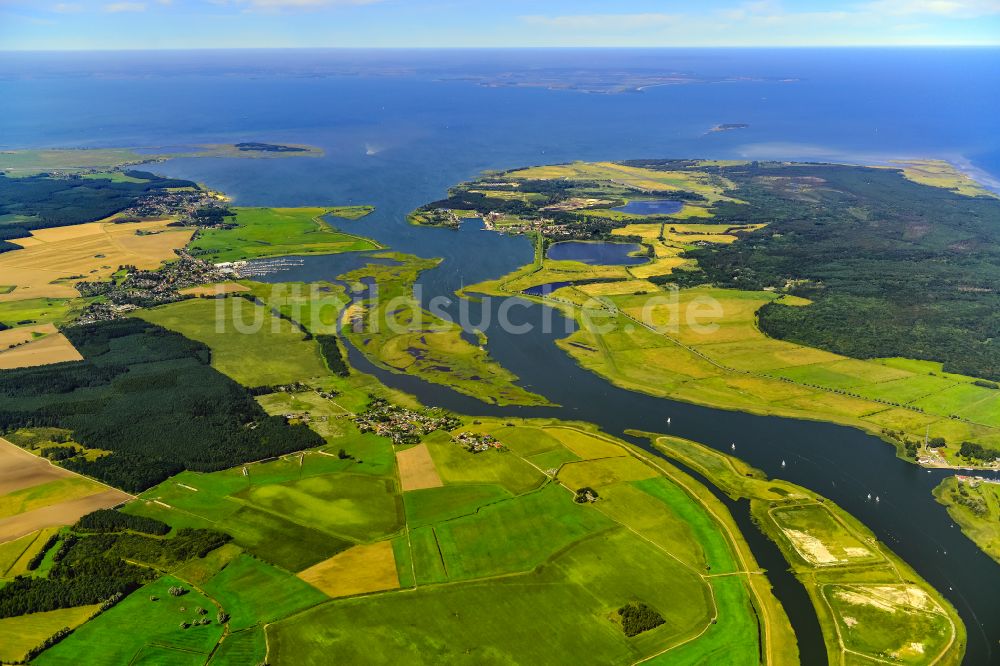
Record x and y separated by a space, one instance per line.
420 120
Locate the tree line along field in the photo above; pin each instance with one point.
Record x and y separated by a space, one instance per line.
871 605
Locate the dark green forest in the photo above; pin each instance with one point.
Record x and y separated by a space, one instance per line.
150 397
42 201
895 268
109 520
95 569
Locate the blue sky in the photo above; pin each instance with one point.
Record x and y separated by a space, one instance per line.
124 24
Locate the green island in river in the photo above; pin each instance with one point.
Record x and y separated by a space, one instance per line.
336 518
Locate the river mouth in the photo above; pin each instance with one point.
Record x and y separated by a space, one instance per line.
597 253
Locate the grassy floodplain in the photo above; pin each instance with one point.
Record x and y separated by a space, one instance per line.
501 536
395 332
721 358
276 232
975 505
871 605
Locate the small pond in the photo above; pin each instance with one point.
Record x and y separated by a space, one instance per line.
651 207
597 253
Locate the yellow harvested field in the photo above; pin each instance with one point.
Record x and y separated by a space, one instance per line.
618 288
35 494
24 632
939 173
20 469
215 289
357 570
585 445
51 261
53 348
711 186
64 513
416 469
18 336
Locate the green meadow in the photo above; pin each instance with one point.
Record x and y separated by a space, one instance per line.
275 232
243 337
254 592
153 634
975 506
26 632
39 310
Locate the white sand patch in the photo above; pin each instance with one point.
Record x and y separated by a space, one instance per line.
888 598
810 548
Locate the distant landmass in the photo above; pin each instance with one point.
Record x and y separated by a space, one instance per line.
725 127
269 147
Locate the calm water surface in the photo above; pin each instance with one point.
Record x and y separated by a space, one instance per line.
597 253
651 207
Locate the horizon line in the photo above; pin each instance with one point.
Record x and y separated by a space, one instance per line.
505 48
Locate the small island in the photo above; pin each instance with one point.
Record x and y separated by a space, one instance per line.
268 147
725 127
